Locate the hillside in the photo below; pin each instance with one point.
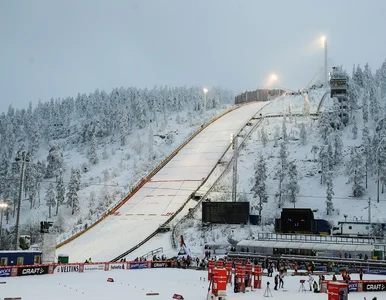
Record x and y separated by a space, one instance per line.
109 141
349 149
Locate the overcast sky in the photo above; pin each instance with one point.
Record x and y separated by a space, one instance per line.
59 48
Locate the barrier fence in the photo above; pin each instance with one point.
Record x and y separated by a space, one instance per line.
44 269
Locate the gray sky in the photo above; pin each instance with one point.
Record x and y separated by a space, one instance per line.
59 48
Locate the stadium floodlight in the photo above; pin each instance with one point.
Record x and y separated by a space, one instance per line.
205 90
324 45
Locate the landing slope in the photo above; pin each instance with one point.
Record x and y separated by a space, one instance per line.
162 195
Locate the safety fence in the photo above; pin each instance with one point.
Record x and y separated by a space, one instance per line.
44 269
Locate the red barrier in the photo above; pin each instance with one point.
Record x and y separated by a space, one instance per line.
240 276
257 276
211 264
228 266
248 270
219 281
337 291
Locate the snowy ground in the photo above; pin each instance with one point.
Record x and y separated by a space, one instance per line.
134 284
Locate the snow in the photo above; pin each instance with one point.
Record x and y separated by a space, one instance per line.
162 195
134 284
170 187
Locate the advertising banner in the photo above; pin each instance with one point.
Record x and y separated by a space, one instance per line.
138 265
353 286
374 286
40 270
117 266
66 269
94 267
161 264
5 272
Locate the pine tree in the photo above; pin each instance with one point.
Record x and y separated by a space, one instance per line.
365 107
338 147
367 151
331 157
93 158
259 188
303 134
50 198
72 193
282 174
306 107
292 184
314 150
123 125
329 194
55 161
374 104
151 144
60 192
284 130
354 129
356 172
264 136
324 163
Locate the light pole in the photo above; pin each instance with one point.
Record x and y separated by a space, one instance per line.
23 157
324 44
205 90
2 207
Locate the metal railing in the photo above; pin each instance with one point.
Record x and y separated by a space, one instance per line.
314 238
153 252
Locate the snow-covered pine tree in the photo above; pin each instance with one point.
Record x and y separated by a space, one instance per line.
329 194
358 77
338 147
314 150
354 128
324 163
324 125
72 193
365 107
374 104
264 136
284 130
367 151
292 184
283 156
50 198
356 173
60 192
281 174
259 188
150 147
123 125
303 134
331 157
55 160
93 155
306 107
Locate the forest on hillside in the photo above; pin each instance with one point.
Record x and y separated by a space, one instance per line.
34 140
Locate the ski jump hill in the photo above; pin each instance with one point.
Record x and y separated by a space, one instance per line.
162 195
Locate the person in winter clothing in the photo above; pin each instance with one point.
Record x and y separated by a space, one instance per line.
310 281
281 281
361 274
276 281
333 277
315 286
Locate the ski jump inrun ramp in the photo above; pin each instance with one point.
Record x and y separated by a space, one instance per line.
163 194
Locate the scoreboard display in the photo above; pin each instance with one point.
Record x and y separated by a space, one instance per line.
225 212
